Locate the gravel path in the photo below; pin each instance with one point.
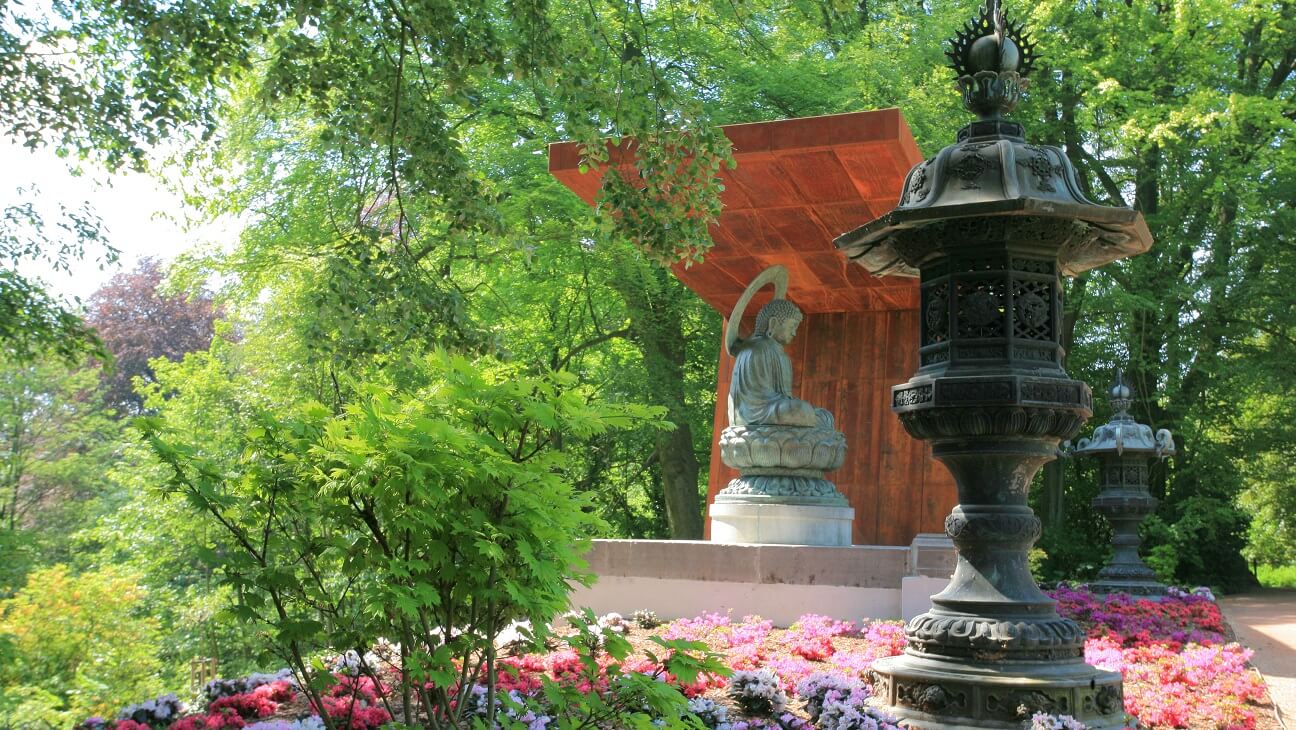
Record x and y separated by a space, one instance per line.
1265 620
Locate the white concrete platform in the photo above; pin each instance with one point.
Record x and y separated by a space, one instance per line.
683 578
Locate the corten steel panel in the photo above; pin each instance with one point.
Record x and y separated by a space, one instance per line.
800 182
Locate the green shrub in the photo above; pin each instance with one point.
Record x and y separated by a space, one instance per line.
1059 557
1037 559
1163 559
432 510
1208 538
1277 576
75 646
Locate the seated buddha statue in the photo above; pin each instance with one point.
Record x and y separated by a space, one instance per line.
780 444
760 392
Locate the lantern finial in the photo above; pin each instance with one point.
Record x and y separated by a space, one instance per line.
992 56
1121 396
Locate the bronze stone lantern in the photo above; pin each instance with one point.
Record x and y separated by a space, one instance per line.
990 224
1123 447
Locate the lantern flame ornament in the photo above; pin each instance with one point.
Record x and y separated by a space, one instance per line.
990 225
992 58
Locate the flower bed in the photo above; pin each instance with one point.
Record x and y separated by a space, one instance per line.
1180 672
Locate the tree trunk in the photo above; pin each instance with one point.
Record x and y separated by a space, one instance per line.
655 303
1053 498
679 469
1053 492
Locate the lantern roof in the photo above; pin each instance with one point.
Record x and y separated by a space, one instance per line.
1122 434
992 171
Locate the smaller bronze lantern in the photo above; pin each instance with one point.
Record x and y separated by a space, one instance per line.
1124 449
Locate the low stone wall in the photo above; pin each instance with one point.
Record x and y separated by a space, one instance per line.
679 578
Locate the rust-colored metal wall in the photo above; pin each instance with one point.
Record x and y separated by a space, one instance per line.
847 362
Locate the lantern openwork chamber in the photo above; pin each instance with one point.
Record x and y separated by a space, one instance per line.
990 225
1124 449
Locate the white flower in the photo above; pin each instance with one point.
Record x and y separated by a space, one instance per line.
517 632
715 717
347 663
757 691
1044 721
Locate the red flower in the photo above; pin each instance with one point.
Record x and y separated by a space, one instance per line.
814 648
248 706
276 691
358 687
218 720
354 714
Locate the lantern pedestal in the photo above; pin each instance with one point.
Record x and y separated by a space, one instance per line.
992 650
1125 508
941 694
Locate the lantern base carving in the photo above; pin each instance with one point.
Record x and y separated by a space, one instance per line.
930 693
1129 576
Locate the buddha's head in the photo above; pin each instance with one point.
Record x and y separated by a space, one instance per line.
778 320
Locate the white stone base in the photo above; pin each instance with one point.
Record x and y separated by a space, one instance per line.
782 604
679 578
781 524
916 592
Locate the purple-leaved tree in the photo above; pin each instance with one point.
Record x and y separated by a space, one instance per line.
137 322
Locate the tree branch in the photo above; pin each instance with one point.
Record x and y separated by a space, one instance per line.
592 342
